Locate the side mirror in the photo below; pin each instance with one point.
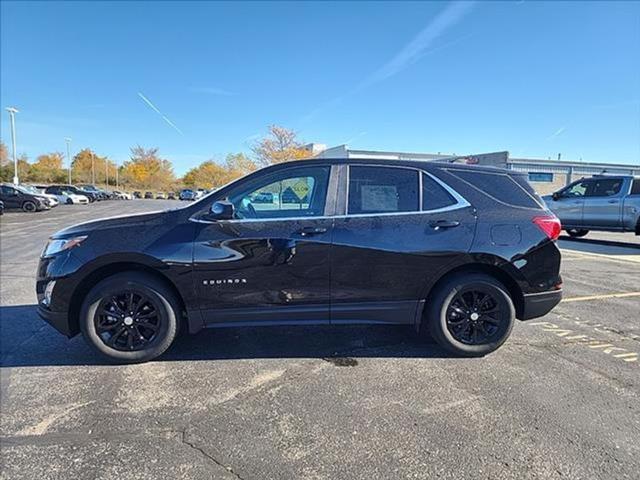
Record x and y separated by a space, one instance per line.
221 210
555 196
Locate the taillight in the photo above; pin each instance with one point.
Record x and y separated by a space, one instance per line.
550 225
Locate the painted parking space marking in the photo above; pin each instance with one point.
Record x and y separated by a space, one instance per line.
593 343
601 297
622 258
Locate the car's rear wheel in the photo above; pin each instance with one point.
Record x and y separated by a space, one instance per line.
29 206
470 314
130 317
577 232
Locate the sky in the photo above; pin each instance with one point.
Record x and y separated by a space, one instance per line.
200 80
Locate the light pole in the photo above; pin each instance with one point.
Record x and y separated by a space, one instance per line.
106 173
93 168
12 111
68 141
117 175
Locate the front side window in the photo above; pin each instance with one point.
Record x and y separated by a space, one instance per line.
578 189
299 192
605 187
382 190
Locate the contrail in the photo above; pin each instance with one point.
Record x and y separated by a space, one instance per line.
155 109
557 133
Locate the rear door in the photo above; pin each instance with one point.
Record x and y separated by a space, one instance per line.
398 226
603 203
10 196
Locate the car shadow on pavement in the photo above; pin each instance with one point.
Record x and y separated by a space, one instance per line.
26 340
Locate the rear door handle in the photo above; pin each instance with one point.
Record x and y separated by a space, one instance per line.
306 231
438 224
613 201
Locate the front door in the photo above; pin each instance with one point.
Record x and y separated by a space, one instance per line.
11 197
603 203
401 226
271 262
569 204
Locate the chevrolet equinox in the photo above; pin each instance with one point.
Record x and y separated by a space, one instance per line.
457 251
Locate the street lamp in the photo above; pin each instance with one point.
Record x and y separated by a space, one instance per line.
93 168
68 140
12 111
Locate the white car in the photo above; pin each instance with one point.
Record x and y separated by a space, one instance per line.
68 198
122 195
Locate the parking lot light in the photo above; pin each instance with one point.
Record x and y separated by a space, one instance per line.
68 141
12 111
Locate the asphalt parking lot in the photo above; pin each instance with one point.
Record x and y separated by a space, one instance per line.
561 399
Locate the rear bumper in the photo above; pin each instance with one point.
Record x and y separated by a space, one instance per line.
539 304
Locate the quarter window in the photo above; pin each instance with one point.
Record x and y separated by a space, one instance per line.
299 192
382 190
434 196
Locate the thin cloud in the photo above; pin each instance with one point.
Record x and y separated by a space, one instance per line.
355 137
212 91
412 51
557 133
155 109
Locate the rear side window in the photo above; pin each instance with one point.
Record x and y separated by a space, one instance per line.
500 186
635 187
605 187
382 190
434 196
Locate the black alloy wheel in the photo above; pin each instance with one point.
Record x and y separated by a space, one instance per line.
474 316
577 232
469 314
29 206
128 321
130 317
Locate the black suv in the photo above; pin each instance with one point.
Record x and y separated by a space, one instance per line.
15 196
458 251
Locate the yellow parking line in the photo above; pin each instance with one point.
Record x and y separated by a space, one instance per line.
600 297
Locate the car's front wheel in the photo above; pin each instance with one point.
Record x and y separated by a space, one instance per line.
470 314
130 317
29 206
577 232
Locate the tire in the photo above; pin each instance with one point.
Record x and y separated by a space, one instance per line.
453 330
29 206
148 343
577 232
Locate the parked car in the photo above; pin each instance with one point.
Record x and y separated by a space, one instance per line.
51 199
456 250
171 196
137 194
602 202
15 196
160 196
187 194
122 195
1 207
97 192
66 196
148 194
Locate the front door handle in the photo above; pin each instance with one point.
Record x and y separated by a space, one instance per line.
306 231
438 224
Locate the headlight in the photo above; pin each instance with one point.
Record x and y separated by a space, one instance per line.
58 245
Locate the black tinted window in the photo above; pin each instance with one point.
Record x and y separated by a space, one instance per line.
605 187
499 186
434 196
635 188
382 190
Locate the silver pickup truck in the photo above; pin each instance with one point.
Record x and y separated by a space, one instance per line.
603 202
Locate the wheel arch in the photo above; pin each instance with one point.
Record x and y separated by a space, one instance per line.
491 269
91 279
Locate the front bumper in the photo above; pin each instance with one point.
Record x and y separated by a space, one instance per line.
58 320
539 304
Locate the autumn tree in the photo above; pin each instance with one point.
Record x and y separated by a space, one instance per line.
48 168
280 145
87 165
146 169
4 155
209 174
240 164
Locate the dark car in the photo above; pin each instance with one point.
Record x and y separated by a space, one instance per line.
14 196
171 196
1 207
137 194
456 250
148 194
91 196
95 191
